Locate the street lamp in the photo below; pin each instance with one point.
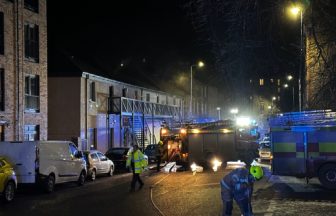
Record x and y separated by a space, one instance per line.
219 116
296 11
199 64
234 111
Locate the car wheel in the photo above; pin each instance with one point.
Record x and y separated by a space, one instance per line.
9 191
110 173
327 176
49 184
81 178
93 175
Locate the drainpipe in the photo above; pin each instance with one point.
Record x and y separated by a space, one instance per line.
17 68
86 111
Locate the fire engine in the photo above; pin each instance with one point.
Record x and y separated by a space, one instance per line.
204 142
304 145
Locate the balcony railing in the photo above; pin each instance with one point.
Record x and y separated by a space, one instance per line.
127 106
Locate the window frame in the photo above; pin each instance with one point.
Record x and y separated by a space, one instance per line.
30 5
2 33
29 94
31 42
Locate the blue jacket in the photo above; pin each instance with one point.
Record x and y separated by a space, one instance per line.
239 182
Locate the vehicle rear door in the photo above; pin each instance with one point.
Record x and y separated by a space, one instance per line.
104 165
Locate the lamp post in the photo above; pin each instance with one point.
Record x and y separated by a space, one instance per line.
289 78
200 64
234 111
272 106
219 116
295 11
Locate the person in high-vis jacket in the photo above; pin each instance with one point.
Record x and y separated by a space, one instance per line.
137 162
238 186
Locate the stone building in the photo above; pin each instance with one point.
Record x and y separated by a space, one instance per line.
23 70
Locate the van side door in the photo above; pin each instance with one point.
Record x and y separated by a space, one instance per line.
76 163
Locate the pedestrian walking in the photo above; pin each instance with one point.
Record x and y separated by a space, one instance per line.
137 162
159 152
238 186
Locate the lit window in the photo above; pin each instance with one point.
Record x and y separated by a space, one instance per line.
279 82
261 82
31 132
271 80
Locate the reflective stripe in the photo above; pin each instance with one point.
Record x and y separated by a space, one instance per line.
299 154
225 185
284 147
327 147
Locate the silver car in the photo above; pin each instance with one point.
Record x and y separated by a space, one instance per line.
97 163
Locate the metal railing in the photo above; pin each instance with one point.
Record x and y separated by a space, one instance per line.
127 106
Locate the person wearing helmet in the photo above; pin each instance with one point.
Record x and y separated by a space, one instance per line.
238 185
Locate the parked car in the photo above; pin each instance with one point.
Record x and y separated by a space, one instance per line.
8 180
97 163
119 156
150 151
45 162
265 149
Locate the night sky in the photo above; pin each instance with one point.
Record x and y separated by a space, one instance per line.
150 38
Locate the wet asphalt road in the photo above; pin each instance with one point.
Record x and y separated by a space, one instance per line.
180 193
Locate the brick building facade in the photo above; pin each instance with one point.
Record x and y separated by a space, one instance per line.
23 70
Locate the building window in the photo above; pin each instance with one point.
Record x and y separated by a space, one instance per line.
279 82
124 92
2 89
157 99
147 97
261 82
93 91
32 93
32 42
272 80
31 132
2 37
136 95
174 101
2 132
32 5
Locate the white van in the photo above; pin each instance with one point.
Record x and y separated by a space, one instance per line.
45 162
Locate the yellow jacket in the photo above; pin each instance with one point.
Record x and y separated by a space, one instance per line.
139 161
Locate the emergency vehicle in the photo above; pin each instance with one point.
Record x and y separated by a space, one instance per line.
304 145
203 143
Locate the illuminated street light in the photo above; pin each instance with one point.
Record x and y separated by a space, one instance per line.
299 11
289 77
285 85
199 64
234 111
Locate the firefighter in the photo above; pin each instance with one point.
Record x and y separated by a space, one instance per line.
238 186
159 152
137 162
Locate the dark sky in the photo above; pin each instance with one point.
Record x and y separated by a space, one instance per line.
149 35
